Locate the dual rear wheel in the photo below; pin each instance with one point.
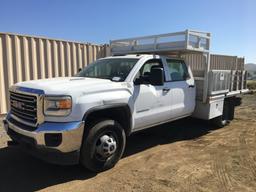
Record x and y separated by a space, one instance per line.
228 112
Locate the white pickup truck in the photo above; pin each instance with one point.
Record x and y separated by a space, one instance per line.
87 118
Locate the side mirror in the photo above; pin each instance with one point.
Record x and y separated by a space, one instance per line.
141 80
138 81
156 76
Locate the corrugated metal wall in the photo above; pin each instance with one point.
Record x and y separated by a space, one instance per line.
24 58
223 62
220 62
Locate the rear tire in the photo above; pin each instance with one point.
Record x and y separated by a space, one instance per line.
220 122
224 119
103 146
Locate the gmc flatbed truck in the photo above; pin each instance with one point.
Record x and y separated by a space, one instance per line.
87 118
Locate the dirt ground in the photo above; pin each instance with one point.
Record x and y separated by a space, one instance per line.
186 155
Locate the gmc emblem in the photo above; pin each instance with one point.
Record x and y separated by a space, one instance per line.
17 104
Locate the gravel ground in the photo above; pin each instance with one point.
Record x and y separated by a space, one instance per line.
186 155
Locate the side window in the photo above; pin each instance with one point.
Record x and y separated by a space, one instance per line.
177 69
146 68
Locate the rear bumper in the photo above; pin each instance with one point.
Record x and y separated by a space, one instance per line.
53 142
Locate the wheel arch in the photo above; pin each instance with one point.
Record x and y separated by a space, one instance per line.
120 112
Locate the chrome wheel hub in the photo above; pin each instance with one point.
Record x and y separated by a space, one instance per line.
106 146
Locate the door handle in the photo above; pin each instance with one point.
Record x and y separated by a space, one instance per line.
166 89
191 86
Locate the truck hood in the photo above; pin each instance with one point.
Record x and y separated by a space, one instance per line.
69 85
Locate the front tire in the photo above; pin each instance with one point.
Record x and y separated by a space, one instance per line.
103 145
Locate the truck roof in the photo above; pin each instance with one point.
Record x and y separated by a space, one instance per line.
139 56
130 56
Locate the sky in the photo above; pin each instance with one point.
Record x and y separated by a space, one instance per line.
232 23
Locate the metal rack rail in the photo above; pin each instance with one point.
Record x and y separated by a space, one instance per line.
180 42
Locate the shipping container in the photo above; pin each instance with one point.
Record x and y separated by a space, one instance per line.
24 58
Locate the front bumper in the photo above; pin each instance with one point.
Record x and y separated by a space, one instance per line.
69 139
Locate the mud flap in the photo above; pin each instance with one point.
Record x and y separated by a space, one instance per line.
230 104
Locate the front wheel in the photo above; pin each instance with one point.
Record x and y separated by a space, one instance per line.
103 146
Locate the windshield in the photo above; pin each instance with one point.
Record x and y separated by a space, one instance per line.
113 69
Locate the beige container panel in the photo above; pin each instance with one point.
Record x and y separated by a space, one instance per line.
24 58
218 62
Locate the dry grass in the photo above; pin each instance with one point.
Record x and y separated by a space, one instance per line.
251 84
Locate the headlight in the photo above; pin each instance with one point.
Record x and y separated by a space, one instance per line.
57 105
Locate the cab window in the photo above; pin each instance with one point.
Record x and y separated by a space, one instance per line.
178 70
146 68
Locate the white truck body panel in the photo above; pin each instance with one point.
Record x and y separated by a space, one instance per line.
209 110
85 92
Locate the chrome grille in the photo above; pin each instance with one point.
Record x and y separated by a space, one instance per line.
24 108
